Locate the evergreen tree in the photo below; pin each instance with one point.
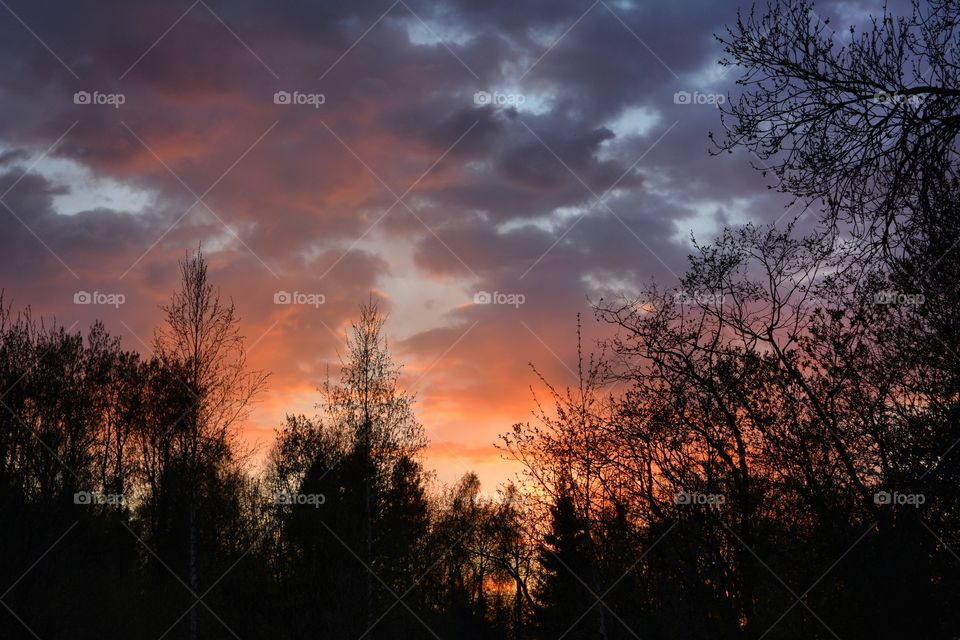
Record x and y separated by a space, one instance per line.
565 561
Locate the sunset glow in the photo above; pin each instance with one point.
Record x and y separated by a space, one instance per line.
454 164
479 320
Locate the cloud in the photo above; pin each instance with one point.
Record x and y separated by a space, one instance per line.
399 181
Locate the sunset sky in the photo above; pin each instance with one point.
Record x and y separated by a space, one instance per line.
554 152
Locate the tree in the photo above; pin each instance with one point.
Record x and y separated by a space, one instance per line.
202 345
868 129
568 454
367 401
565 559
66 404
361 453
378 415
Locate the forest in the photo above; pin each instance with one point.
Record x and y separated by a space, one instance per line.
768 448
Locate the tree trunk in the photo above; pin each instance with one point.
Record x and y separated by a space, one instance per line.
369 518
194 572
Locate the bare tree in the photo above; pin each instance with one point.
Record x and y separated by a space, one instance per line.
377 414
202 345
868 128
368 400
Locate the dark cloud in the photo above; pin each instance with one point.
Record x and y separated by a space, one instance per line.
504 197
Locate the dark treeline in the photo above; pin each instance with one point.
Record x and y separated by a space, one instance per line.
129 510
767 450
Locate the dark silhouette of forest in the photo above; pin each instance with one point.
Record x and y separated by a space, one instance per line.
768 449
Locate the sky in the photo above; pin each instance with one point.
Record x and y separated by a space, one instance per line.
488 170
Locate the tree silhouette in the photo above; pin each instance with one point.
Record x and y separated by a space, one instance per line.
868 127
567 570
202 345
